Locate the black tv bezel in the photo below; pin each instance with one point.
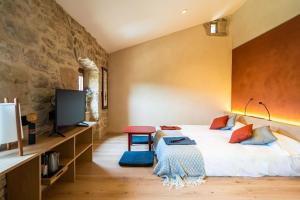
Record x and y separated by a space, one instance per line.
56 128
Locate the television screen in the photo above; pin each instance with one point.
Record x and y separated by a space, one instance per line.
69 108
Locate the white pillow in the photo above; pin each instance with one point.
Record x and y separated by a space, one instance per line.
237 126
288 144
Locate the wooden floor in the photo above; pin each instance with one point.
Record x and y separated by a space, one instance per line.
104 179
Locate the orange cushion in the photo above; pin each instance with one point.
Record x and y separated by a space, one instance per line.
219 122
241 134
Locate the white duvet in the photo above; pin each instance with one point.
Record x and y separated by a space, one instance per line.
280 158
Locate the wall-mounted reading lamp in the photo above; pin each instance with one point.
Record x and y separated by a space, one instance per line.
245 109
264 105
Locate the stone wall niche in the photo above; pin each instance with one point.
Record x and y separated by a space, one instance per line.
91 77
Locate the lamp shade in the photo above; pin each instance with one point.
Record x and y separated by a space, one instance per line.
8 123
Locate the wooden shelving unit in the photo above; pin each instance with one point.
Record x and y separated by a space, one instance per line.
55 177
83 142
66 161
24 179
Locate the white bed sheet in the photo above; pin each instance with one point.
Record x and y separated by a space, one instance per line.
280 158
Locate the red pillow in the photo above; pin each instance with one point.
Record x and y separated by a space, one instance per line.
219 122
241 134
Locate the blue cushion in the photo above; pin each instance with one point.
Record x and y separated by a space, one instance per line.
230 123
137 159
141 139
262 135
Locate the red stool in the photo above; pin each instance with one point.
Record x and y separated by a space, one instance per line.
139 130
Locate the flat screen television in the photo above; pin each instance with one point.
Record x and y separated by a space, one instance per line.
69 109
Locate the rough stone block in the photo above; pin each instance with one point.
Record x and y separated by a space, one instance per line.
20 32
69 78
39 80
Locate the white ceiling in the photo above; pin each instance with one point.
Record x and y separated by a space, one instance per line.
117 24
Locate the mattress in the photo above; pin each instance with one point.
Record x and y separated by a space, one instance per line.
280 158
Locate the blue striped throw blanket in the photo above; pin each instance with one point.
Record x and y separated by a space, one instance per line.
178 165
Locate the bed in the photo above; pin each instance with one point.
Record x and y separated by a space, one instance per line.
280 158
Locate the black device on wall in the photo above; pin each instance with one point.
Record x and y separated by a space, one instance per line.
69 109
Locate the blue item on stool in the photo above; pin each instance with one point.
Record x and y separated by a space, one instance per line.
141 139
137 159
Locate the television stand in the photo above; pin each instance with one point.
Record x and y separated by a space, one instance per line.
56 133
75 150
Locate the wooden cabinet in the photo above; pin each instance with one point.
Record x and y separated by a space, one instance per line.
23 174
24 182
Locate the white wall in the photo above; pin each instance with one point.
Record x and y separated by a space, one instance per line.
182 78
256 17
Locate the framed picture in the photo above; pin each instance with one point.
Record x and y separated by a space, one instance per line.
104 88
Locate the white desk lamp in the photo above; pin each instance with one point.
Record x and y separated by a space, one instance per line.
10 124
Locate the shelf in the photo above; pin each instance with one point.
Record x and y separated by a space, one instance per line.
44 187
55 177
66 161
81 148
76 145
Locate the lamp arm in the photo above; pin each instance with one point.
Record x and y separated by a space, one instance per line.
264 105
245 109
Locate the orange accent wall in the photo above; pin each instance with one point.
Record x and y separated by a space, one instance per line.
267 68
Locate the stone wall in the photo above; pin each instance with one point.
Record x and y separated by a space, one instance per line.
40 45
